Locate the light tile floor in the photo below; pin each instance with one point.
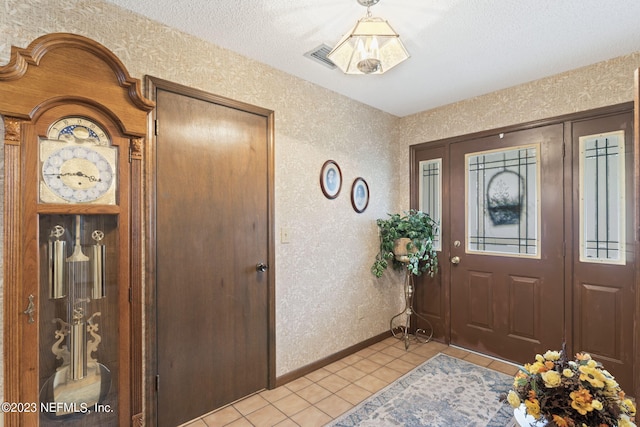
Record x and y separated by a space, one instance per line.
325 394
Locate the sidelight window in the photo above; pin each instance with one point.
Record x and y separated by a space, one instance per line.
430 197
602 198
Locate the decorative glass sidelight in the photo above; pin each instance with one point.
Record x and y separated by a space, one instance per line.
78 320
602 198
503 202
430 197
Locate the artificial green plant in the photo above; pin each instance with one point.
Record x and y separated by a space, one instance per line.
420 228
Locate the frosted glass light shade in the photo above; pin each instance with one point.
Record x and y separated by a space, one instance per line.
371 47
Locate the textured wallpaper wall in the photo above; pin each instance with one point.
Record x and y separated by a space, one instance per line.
322 275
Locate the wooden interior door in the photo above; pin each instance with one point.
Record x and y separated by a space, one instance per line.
507 275
212 237
604 243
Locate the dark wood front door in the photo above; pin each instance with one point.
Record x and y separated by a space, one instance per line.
507 274
212 232
537 239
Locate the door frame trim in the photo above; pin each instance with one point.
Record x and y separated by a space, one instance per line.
152 84
565 119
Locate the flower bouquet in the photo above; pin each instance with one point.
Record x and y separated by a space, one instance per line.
571 393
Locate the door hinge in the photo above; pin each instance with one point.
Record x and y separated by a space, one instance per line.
564 149
157 382
155 127
130 295
130 153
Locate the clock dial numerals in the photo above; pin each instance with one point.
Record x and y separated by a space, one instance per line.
77 174
78 163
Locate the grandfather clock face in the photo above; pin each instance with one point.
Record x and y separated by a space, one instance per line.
77 164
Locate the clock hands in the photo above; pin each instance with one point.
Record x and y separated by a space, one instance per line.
81 174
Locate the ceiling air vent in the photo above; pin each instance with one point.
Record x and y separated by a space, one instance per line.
319 54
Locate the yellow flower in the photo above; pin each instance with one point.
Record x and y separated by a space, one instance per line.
596 404
539 358
592 375
533 408
552 355
611 384
536 368
551 379
625 421
513 399
628 406
581 401
567 373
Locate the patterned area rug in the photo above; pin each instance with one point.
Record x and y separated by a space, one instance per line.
442 392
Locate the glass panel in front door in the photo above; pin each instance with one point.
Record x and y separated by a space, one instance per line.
503 202
430 197
602 201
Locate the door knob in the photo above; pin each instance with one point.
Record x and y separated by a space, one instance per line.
261 267
455 260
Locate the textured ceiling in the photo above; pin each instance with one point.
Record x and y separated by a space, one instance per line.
459 48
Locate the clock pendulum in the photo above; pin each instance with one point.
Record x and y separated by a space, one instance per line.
77 306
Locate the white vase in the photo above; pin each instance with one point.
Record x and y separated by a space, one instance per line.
525 420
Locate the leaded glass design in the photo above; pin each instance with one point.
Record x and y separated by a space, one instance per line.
503 201
431 193
602 201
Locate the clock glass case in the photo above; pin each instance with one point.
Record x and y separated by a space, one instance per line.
78 320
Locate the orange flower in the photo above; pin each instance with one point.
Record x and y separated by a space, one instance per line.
533 408
559 421
581 401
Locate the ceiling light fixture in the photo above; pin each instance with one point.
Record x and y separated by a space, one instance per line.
371 47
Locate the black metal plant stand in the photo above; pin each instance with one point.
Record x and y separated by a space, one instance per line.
402 331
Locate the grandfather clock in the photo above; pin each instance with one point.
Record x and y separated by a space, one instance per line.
74 127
